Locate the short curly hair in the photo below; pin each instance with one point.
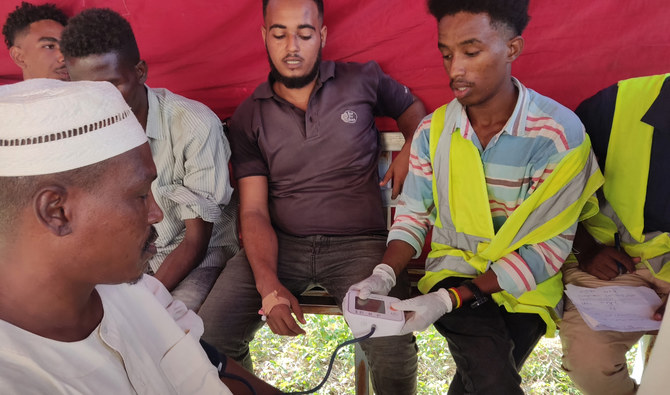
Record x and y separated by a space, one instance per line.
98 31
20 19
511 13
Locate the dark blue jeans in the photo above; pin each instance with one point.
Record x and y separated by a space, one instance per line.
488 344
230 313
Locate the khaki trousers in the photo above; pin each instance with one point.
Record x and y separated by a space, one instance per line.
596 360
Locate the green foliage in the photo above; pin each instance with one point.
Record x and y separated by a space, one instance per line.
300 363
542 372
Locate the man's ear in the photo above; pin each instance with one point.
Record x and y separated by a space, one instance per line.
16 54
264 33
52 211
514 48
324 33
142 70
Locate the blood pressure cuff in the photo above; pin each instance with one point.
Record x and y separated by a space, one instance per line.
215 357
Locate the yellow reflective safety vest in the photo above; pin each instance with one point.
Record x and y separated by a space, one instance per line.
463 229
626 174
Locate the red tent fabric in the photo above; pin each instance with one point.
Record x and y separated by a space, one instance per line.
212 51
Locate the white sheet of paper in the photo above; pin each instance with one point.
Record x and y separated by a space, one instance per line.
616 308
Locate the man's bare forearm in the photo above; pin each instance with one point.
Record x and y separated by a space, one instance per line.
260 245
188 254
397 255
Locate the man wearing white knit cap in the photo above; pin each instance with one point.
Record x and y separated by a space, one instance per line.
77 316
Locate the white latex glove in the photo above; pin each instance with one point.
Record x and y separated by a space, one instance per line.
423 310
380 282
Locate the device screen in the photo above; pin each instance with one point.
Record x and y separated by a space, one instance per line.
372 305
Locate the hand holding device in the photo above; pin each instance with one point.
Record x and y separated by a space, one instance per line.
380 282
423 310
362 314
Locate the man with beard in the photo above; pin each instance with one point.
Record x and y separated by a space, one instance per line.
305 150
32 34
197 235
77 316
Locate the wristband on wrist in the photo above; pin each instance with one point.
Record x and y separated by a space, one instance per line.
480 298
457 297
270 301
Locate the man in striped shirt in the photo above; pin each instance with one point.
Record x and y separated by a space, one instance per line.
516 161
477 169
197 234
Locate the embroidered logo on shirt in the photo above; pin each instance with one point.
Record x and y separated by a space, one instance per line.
349 116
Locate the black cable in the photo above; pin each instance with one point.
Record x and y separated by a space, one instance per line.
332 360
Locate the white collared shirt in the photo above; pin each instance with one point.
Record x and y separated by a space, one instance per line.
145 344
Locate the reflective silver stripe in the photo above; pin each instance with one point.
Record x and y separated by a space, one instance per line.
607 210
560 201
460 240
658 262
441 171
450 262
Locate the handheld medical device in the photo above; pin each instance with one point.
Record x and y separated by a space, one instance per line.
375 311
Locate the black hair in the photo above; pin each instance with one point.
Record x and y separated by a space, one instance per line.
319 6
20 19
511 13
98 31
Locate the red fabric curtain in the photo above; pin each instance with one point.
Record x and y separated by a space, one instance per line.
212 51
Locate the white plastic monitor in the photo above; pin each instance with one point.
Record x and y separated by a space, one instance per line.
362 314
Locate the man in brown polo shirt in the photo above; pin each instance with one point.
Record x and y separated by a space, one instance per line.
305 151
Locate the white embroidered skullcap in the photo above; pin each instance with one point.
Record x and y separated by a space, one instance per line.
48 126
